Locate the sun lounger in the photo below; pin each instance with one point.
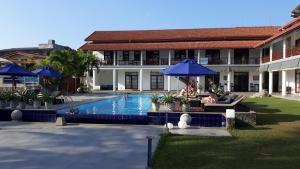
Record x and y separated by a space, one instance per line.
222 106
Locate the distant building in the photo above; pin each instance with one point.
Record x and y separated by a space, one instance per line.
24 56
30 54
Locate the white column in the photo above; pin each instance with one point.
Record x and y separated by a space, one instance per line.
141 58
283 83
198 60
169 83
270 82
170 57
94 79
141 79
271 52
260 81
115 56
186 54
229 81
229 57
284 48
260 55
114 79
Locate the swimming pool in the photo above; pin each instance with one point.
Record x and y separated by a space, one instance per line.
133 104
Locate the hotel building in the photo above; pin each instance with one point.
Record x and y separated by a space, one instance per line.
246 58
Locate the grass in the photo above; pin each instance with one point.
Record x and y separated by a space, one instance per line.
273 144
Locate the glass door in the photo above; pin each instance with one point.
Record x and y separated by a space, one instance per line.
297 80
131 80
156 81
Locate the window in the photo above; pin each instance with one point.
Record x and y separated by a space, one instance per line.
266 51
213 56
255 78
137 55
156 81
297 42
191 54
131 80
125 55
152 57
108 57
241 56
179 55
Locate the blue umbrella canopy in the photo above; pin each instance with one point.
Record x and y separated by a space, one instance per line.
14 70
46 71
187 67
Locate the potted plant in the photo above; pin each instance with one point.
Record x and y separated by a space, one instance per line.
2 99
11 99
47 99
168 100
22 99
200 88
155 102
36 101
184 102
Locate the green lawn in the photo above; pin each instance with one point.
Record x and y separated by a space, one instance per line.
273 144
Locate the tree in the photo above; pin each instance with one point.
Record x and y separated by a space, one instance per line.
89 61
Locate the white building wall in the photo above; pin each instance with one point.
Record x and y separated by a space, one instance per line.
290 79
99 54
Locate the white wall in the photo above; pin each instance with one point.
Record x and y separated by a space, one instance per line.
290 79
99 54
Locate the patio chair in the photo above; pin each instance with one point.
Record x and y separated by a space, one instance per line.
223 106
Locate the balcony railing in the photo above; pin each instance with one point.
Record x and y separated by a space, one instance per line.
160 61
277 56
293 51
129 62
106 62
265 59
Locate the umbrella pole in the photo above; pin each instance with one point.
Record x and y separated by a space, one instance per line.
187 86
177 85
14 85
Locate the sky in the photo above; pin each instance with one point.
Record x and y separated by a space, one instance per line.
27 23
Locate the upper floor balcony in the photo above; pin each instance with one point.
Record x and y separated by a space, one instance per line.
293 51
265 58
165 58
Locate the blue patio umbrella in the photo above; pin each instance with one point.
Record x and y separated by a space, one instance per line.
14 70
187 67
46 71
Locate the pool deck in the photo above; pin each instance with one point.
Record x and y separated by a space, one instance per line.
78 146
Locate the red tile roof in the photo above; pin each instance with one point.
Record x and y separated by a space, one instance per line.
289 27
170 45
238 33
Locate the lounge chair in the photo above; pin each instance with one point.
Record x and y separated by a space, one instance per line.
223 106
55 95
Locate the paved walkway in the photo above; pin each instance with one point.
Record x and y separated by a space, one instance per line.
87 146
201 131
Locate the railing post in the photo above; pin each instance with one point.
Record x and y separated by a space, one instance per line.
149 155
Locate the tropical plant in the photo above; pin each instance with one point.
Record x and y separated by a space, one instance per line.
200 87
3 96
46 97
183 100
167 98
155 99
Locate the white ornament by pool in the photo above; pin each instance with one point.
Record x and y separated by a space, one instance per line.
186 118
182 125
170 126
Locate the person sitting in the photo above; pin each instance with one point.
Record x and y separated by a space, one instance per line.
212 98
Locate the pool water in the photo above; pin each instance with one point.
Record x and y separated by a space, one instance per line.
133 104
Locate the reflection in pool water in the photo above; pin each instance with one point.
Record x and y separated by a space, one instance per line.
133 104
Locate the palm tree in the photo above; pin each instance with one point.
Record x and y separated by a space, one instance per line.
89 61
65 61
